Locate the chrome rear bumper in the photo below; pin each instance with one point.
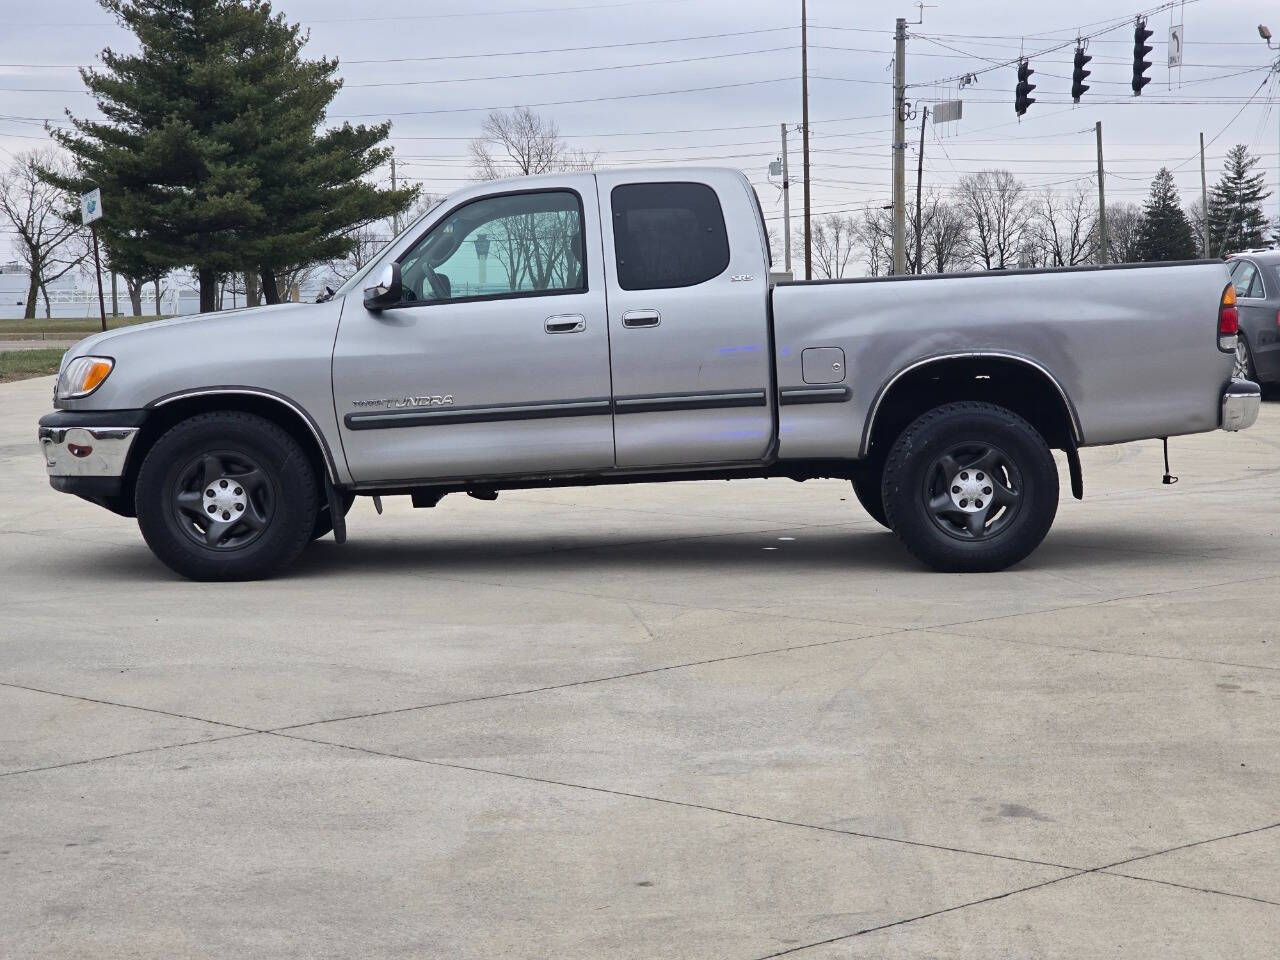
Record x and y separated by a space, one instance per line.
1240 404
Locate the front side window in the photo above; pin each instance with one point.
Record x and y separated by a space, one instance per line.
668 235
521 244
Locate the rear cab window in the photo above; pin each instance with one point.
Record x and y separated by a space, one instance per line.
668 235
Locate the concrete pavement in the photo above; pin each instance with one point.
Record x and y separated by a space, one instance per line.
682 720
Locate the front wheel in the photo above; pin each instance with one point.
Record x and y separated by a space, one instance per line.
970 487
226 496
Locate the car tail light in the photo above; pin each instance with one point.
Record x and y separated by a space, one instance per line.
1228 320
1278 318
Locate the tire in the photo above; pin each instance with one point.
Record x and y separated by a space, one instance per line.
1244 368
226 496
868 487
324 523
970 487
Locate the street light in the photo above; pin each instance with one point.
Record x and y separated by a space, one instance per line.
1265 33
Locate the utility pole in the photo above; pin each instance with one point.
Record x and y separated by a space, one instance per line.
899 146
1204 198
395 217
786 202
924 115
115 299
804 109
1102 200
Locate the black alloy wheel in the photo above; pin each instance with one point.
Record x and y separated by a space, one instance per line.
223 500
227 496
973 491
970 487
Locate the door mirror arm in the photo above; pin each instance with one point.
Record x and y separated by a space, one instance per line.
387 291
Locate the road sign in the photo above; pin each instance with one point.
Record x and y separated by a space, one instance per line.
91 206
1175 46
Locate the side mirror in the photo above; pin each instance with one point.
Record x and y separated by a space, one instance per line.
387 290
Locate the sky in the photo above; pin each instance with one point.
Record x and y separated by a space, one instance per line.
710 82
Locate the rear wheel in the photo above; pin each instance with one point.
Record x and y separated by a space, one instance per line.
1244 369
226 496
970 487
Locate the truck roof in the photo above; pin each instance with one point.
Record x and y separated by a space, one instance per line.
635 173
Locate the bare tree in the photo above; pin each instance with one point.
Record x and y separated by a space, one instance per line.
1063 230
995 204
945 237
45 229
1124 221
875 238
520 142
835 241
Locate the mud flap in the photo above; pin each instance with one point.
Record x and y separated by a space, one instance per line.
337 515
1073 465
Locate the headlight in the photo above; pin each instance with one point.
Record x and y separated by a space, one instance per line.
81 376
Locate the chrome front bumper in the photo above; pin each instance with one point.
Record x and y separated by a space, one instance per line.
1240 404
88 451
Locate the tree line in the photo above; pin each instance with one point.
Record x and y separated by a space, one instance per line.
211 154
992 220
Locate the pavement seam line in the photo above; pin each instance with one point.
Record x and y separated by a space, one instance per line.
1104 870
1114 653
128 706
1189 886
922 916
685 804
568 684
131 753
885 632
1073 871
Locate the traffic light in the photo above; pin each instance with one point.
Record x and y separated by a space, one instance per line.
1078 86
1021 96
1140 50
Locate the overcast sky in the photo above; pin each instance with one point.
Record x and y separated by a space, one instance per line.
411 68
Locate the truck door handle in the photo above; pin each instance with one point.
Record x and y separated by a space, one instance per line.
567 323
641 318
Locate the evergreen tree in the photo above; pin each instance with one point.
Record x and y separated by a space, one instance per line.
310 187
1236 220
1164 232
191 152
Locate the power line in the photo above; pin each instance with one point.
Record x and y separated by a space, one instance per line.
419 16
575 70
557 103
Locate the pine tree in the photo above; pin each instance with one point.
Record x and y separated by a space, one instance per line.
310 186
1164 232
182 156
1236 220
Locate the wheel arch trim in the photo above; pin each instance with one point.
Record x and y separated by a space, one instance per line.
1074 418
278 398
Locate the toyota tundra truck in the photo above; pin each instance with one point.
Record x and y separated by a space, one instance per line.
621 327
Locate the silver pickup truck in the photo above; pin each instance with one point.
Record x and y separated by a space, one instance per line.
621 327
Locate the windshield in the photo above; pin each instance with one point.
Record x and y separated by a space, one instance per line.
355 279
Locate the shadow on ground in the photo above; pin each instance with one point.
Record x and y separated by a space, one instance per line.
855 549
